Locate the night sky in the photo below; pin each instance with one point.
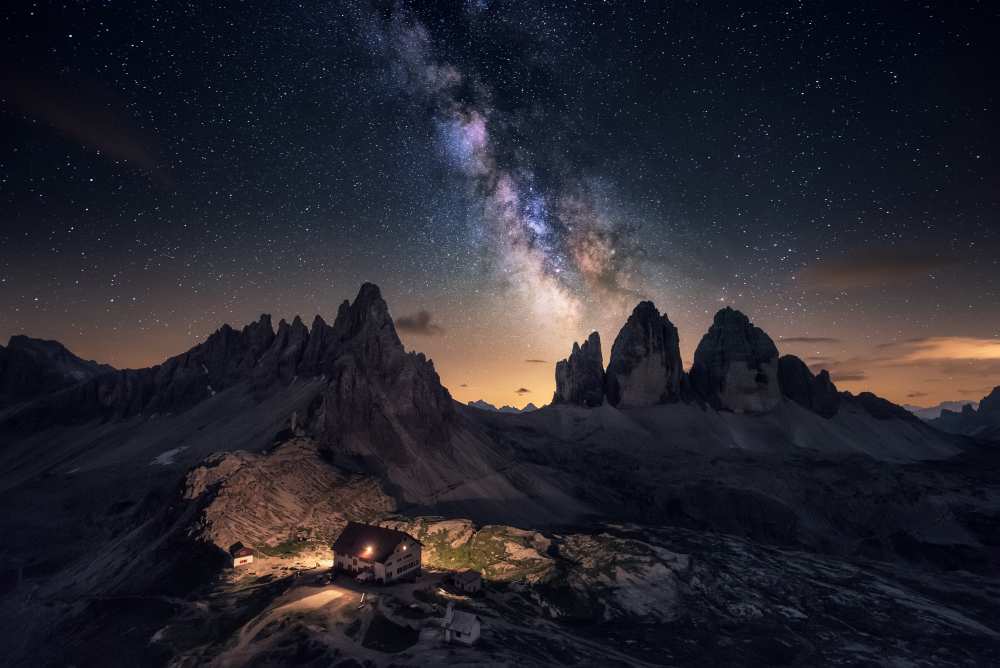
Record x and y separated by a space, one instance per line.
513 175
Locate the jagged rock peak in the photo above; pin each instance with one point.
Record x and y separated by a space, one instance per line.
580 377
736 365
645 366
815 392
318 324
378 396
367 321
263 323
991 402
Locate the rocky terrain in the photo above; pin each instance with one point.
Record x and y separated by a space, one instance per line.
288 499
742 512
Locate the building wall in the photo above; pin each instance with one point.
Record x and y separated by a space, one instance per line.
241 561
469 586
401 563
404 561
466 638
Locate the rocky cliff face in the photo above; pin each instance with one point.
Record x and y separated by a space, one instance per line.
645 365
580 377
817 393
736 365
33 367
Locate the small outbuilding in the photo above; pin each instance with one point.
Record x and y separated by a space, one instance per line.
460 626
240 554
467 582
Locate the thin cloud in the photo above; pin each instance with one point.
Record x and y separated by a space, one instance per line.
90 115
537 361
877 267
941 348
941 358
848 376
808 339
419 324
522 390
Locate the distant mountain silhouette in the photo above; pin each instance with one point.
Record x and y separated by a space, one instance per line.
486 406
34 367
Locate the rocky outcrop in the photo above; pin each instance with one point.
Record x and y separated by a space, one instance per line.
580 377
645 366
34 367
815 392
736 366
290 495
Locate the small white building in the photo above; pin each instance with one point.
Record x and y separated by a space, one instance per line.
388 554
460 626
467 582
241 555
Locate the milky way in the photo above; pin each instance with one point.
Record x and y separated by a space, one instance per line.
550 245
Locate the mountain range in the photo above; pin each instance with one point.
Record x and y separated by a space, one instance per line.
133 483
980 420
486 406
933 412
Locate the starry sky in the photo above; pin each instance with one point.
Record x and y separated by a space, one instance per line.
513 175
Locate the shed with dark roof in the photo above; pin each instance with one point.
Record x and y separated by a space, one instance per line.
240 554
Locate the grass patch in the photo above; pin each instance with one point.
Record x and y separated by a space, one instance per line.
287 548
485 552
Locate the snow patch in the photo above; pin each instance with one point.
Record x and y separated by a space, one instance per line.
167 458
